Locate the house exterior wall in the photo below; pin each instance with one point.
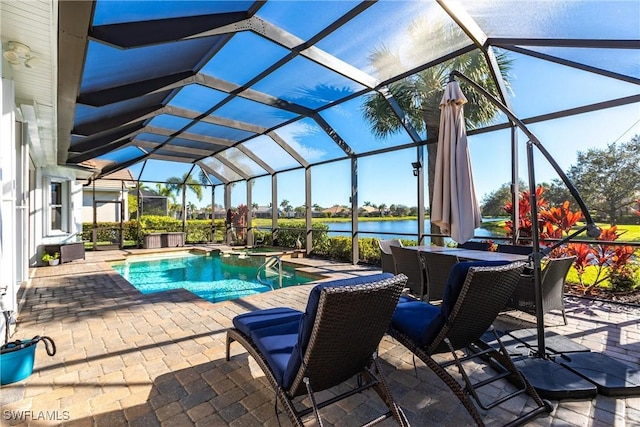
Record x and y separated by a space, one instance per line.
8 258
25 208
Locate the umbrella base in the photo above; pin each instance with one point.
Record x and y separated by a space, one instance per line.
553 381
570 371
613 378
554 343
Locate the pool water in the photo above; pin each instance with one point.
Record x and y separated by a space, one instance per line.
204 275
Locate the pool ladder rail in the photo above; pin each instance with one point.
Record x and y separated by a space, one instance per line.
268 268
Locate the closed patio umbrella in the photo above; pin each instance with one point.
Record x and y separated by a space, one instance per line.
454 208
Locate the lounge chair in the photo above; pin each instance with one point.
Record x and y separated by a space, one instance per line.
335 339
407 262
437 267
475 293
552 279
386 258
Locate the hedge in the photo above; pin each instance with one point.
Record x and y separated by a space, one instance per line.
199 231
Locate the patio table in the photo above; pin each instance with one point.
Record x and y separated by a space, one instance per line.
471 254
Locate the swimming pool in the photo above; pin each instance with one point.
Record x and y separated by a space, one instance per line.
207 276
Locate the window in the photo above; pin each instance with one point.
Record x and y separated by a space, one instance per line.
58 206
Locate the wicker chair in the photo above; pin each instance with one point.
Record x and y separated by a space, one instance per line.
476 292
386 258
436 267
552 278
407 262
335 339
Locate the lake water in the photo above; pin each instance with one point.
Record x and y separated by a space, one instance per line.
376 228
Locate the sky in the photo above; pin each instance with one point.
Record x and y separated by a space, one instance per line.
538 87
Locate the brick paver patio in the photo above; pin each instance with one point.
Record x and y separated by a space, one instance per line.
143 360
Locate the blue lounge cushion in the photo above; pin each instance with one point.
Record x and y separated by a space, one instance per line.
309 318
248 322
413 317
434 317
276 343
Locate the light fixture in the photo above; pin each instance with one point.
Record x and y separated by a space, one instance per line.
19 55
416 168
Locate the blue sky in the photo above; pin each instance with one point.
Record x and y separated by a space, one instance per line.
539 87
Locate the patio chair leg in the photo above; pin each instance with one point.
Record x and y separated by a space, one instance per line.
564 316
313 401
382 389
229 341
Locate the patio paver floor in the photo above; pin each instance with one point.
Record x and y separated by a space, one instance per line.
142 360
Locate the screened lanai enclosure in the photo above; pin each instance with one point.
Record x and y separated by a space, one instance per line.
324 103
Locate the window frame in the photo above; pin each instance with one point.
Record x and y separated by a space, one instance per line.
64 204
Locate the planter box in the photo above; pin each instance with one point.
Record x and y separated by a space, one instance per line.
68 251
164 240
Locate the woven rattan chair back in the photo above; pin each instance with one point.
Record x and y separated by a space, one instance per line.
552 281
483 296
436 267
349 324
408 263
386 257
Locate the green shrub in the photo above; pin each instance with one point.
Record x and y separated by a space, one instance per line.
369 250
107 231
197 231
290 231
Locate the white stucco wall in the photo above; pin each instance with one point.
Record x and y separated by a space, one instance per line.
8 276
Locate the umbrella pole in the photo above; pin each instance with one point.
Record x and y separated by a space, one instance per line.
536 255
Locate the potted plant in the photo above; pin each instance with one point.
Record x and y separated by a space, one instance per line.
51 259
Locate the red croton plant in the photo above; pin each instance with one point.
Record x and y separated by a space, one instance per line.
612 263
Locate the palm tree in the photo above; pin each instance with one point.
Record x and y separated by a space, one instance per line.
419 95
175 184
286 206
191 210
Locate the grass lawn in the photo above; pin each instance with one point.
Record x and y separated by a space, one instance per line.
629 232
591 275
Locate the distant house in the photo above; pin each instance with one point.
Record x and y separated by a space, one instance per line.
368 211
108 194
261 212
218 213
336 210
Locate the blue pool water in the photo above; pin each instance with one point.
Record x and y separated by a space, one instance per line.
207 276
